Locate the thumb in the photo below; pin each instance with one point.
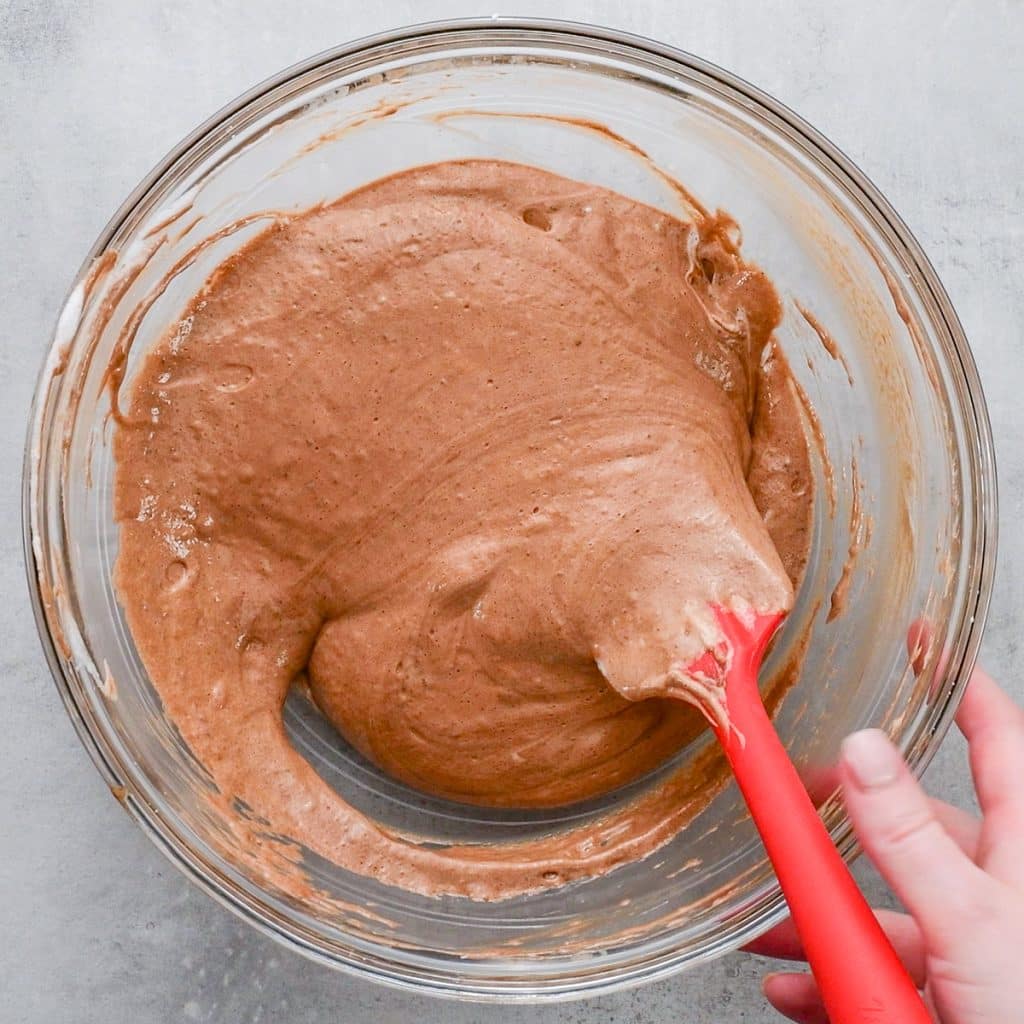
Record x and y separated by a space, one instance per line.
896 824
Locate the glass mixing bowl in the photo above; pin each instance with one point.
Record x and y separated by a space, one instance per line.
908 534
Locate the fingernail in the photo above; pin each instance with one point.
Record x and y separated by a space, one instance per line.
872 760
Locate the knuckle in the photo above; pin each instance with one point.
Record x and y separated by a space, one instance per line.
975 911
910 831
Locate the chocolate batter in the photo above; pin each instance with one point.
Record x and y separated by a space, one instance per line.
471 450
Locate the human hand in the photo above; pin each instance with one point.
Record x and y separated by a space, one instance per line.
962 880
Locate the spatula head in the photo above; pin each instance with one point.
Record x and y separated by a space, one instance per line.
729 670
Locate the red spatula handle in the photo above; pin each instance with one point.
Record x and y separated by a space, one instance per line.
859 975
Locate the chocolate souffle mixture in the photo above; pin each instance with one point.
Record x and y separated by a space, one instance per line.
471 452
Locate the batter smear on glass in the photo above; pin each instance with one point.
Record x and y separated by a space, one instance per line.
471 451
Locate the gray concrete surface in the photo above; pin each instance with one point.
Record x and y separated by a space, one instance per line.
94 925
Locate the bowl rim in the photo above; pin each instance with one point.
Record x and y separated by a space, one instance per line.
432 976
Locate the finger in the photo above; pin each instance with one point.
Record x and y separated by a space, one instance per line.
796 997
963 828
994 727
897 825
783 942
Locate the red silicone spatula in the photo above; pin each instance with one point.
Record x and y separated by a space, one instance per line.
860 978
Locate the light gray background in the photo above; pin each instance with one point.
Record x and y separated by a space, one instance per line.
94 925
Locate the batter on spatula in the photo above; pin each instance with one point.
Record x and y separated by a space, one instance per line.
472 450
